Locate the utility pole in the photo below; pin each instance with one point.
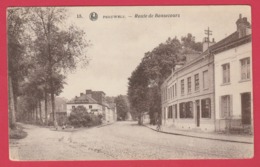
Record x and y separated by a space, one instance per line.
208 32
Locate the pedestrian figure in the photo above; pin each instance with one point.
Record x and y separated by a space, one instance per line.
158 122
56 125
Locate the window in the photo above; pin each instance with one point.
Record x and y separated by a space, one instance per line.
206 108
176 111
182 87
197 82
205 80
245 69
170 112
226 106
90 106
171 92
226 73
186 110
189 84
164 113
166 93
189 109
175 89
182 110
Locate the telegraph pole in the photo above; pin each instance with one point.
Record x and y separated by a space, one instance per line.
208 32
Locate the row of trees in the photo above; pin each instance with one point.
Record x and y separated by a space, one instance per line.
41 50
144 84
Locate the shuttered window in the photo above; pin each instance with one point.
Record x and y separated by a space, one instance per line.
245 68
226 73
189 84
226 106
182 87
197 82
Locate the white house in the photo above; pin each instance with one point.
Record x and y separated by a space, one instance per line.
94 102
233 79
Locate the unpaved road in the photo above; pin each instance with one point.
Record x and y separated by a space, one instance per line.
119 141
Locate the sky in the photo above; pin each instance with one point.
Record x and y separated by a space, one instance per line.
118 44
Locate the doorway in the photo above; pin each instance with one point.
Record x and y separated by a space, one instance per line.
246 108
198 112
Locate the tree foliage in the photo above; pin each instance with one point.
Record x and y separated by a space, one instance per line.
189 42
144 84
80 117
42 48
122 108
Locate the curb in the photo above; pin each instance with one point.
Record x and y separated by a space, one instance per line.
104 125
200 137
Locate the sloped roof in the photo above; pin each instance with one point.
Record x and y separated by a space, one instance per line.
232 37
229 42
83 99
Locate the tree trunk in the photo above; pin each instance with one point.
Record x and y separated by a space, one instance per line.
14 89
46 107
11 107
140 118
36 111
53 106
40 111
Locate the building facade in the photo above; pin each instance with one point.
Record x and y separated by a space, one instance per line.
94 102
214 91
188 95
233 83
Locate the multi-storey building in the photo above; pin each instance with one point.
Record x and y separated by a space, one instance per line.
233 83
214 91
188 95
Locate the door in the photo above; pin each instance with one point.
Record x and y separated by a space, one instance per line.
246 108
198 112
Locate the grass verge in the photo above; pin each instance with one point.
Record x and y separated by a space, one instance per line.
17 133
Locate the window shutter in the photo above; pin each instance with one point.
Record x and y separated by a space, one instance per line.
231 105
220 107
192 109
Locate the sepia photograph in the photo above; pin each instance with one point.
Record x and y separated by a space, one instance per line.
130 83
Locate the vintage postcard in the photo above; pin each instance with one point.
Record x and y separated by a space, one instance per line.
130 83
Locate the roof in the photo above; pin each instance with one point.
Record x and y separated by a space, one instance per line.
229 42
83 99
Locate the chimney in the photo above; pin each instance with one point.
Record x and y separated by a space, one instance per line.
243 26
88 91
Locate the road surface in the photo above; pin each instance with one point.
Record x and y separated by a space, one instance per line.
119 141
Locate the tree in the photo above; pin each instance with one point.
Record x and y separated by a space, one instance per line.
137 92
189 42
58 49
122 108
80 117
17 59
144 84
